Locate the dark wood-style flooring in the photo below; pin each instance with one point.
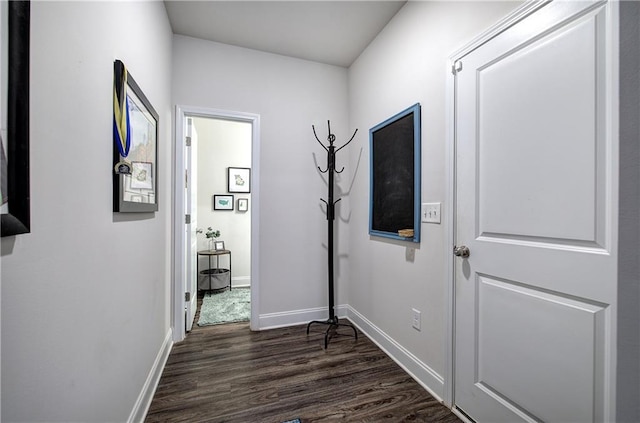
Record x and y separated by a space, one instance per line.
227 373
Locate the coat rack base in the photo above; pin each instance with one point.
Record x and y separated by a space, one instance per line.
333 324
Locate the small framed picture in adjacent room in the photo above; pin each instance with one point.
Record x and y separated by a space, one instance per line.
239 179
218 245
223 202
243 204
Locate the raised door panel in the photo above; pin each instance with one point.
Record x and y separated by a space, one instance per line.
527 338
540 155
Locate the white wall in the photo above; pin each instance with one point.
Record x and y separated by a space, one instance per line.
405 64
223 144
289 95
85 295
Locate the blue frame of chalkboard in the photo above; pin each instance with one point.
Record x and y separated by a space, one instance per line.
395 129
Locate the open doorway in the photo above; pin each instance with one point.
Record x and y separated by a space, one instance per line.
221 187
217 187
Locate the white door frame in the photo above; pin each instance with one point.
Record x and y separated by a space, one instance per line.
514 17
182 112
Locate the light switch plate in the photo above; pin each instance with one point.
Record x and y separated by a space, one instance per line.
431 212
416 319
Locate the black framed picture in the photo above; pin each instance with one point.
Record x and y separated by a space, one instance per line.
239 179
135 179
222 202
14 109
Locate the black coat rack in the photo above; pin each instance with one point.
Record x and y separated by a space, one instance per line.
332 321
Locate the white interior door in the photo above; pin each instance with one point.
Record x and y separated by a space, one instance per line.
191 208
536 205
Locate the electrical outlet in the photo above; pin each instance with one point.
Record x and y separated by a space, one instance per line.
431 212
415 319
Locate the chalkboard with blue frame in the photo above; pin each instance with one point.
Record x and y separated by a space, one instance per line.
394 147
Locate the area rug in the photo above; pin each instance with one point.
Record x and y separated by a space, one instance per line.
225 307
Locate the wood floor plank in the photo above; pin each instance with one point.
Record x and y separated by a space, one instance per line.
227 373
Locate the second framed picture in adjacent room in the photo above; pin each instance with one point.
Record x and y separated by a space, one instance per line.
239 179
223 202
243 204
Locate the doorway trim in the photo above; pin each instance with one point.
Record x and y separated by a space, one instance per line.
181 114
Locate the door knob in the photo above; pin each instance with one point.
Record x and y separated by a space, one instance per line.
461 251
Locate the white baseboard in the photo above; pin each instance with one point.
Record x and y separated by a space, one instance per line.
241 282
294 317
143 402
423 374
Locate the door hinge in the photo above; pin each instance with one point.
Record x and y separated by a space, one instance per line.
187 296
456 67
187 140
187 219
186 179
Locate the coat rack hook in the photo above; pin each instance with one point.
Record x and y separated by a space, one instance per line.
350 139
315 135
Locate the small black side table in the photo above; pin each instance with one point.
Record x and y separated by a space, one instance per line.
216 254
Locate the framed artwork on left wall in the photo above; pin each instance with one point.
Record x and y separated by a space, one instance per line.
135 151
15 18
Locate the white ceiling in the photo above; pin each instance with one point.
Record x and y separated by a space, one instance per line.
332 32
